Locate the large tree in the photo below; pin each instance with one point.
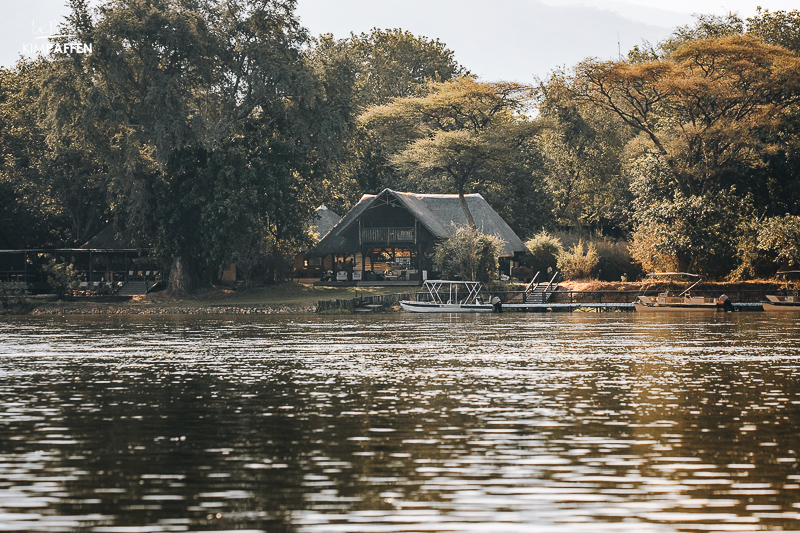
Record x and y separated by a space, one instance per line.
196 107
704 111
371 69
461 136
583 148
709 115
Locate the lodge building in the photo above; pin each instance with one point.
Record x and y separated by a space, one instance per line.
390 237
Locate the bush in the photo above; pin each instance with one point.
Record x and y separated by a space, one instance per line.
469 254
543 251
61 277
753 262
689 233
780 236
615 261
579 262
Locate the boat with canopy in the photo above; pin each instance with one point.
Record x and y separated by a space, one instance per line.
676 298
450 297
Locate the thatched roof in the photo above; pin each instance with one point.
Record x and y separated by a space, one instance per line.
107 239
438 213
324 221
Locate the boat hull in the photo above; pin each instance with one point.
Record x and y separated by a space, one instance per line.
660 308
431 307
782 307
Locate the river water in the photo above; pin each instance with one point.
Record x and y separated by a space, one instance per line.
400 423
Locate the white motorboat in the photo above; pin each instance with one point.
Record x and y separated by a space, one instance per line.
451 297
789 301
672 300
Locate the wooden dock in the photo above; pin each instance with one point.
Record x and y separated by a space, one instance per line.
540 308
619 306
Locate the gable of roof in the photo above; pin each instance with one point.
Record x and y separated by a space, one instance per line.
325 221
439 213
106 239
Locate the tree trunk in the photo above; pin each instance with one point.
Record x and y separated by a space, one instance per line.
181 278
465 207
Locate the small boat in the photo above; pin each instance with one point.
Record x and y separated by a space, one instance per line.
672 300
789 301
451 297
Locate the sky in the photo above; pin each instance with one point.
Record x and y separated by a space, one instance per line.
511 40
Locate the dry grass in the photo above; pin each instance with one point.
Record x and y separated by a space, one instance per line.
595 285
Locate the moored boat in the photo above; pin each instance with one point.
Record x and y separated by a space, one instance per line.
451 297
672 299
789 300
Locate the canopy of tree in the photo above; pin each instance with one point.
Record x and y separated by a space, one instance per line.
209 132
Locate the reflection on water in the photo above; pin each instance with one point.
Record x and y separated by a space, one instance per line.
399 423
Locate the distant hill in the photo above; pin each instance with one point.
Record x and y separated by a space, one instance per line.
499 40
504 39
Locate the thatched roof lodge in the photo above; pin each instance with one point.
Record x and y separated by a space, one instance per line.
390 236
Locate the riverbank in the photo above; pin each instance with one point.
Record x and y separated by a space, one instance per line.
286 298
300 298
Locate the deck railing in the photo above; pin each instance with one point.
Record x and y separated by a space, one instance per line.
380 235
562 296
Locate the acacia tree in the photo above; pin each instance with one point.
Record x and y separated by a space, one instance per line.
705 110
461 135
371 69
582 145
708 116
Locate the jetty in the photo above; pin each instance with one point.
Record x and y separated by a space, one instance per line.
596 306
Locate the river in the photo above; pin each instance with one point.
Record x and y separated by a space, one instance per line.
556 422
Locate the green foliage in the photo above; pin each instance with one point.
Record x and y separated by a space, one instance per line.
31 213
385 64
543 252
583 152
207 119
779 27
780 236
61 277
365 70
578 262
694 234
614 261
463 136
752 262
469 254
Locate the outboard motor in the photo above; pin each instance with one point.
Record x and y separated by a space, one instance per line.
497 305
725 302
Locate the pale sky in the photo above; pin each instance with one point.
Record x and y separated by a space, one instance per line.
495 39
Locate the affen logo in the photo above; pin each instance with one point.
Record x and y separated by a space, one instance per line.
43 36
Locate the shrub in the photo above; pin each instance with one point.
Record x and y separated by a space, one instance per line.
614 261
579 262
543 251
61 277
781 237
469 254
